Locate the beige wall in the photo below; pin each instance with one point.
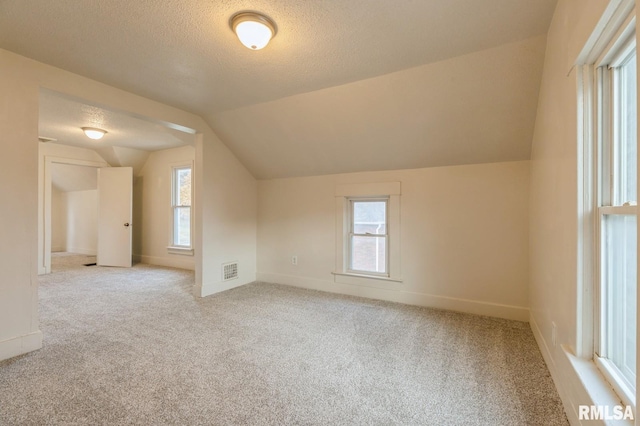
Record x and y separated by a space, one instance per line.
58 221
464 236
19 331
152 208
74 226
228 190
554 202
225 218
82 221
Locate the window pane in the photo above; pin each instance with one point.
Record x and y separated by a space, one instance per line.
619 254
370 217
183 185
182 226
368 254
626 168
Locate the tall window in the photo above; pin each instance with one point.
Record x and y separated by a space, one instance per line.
181 205
615 349
368 238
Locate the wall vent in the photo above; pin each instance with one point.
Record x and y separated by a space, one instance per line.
229 271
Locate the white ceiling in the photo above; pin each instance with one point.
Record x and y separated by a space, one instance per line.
61 118
183 53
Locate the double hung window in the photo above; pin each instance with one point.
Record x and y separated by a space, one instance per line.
368 236
616 227
181 206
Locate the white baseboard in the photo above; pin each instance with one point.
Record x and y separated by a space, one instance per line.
207 289
567 401
181 262
20 345
578 380
542 344
85 251
518 313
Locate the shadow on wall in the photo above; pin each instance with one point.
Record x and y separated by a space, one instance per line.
138 213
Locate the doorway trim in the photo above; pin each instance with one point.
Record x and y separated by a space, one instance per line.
49 160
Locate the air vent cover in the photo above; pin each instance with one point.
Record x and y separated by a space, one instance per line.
229 271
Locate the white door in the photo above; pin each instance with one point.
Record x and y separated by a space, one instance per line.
115 190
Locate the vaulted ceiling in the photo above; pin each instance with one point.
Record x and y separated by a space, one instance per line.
344 86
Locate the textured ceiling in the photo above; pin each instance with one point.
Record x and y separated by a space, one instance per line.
61 118
182 52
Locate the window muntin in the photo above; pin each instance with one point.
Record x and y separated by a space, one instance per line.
615 350
181 206
368 236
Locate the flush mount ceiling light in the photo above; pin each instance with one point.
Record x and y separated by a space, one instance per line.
94 133
253 29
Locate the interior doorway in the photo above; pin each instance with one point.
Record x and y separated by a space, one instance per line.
74 209
70 207
151 149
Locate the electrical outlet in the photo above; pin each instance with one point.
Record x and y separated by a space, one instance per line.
294 260
554 334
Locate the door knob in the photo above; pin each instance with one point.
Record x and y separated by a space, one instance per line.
127 224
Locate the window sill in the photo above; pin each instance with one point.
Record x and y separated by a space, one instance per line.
616 381
598 389
184 251
369 277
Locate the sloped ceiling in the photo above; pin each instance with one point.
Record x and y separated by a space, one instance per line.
476 108
70 177
183 53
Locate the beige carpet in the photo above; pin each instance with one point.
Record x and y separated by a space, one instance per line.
63 261
133 346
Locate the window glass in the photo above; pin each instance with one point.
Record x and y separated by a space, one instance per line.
369 254
619 272
368 239
184 187
370 217
182 226
182 207
625 167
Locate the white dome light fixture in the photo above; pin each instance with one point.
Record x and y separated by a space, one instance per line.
93 132
253 29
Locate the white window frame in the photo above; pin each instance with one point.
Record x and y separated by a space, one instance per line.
609 43
607 205
351 202
174 248
391 191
